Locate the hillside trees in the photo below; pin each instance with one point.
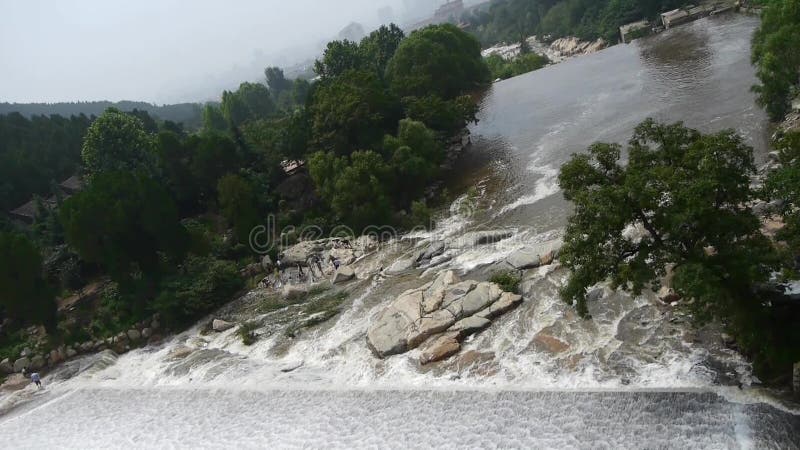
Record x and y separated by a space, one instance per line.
24 294
118 142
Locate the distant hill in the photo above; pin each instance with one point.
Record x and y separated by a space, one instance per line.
190 114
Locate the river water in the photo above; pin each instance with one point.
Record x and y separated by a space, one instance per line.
637 376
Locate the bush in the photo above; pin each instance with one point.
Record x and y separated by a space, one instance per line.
202 285
508 281
247 333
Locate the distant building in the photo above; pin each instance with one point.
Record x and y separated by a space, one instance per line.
451 11
27 213
633 31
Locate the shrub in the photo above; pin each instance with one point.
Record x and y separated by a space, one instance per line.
508 281
247 333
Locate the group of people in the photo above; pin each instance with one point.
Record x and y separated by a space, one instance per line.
314 265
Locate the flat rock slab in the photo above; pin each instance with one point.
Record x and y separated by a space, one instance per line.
441 347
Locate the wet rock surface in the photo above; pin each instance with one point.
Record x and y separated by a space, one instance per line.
437 316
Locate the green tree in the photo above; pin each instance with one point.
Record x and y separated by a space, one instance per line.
238 203
352 111
783 184
24 294
338 58
415 158
213 119
380 46
125 222
118 142
444 116
355 187
276 81
688 191
437 60
776 56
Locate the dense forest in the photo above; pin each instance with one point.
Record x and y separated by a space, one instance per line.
189 114
166 215
513 20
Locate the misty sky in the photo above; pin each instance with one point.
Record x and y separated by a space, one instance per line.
160 51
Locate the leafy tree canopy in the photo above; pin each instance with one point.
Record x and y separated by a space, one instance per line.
118 142
688 191
439 60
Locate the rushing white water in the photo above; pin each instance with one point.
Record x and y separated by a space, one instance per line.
638 375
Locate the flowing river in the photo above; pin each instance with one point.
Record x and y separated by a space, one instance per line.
638 375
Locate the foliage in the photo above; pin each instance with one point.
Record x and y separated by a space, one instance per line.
415 155
354 186
444 116
437 60
508 281
118 142
686 190
353 111
339 57
502 69
687 193
238 203
36 151
246 333
213 119
511 20
380 46
276 81
776 57
24 294
252 101
124 222
201 285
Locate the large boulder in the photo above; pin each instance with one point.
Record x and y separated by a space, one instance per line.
401 265
6 367
37 362
134 335
434 249
504 304
445 306
343 274
22 363
220 325
536 255
796 377
299 253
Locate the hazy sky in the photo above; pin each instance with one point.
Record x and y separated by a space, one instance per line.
159 50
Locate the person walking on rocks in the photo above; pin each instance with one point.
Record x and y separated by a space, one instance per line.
36 379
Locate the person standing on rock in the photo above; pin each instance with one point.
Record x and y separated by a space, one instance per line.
36 379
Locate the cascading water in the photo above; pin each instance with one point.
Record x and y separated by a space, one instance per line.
637 375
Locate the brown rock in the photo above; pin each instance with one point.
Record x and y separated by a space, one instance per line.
439 348
546 343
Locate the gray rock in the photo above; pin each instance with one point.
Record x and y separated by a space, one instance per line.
294 291
22 363
56 356
134 335
441 347
435 249
796 377
387 335
87 346
506 303
469 325
476 300
427 326
299 253
401 265
37 362
343 274
26 352
6 367
220 325
536 255
71 353
146 333
155 324
266 263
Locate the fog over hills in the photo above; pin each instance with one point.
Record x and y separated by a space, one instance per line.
55 51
